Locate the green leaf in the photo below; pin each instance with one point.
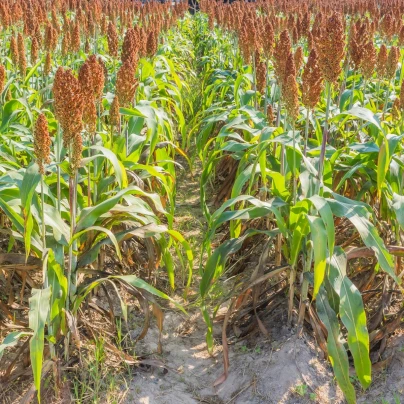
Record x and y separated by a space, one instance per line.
188 251
58 284
11 108
383 163
32 71
103 230
29 183
150 230
16 219
132 280
335 347
353 316
119 169
12 340
361 113
319 238
38 314
373 241
90 215
216 262
326 214
357 214
299 228
398 207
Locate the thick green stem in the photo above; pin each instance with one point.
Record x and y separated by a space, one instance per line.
387 98
306 132
378 92
89 174
266 87
95 175
278 113
324 141
45 275
352 93
58 189
71 271
294 176
45 261
292 279
255 82
364 92
304 301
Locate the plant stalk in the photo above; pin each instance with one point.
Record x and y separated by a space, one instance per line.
324 141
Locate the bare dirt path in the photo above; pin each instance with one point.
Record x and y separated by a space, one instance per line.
278 369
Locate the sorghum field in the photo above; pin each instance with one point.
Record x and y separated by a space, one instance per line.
201 204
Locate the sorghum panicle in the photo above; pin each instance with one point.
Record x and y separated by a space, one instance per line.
34 50
270 114
395 109
291 97
369 60
14 50
114 117
126 83
48 64
392 61
2 78
260 72
281 54
112 40
381 64
298 58
42 142
22 60
330 48
312 81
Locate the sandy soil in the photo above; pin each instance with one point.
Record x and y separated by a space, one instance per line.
279 369
285 370
261 371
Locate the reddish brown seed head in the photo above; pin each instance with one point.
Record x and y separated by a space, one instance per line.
330 48
66 43
260 72
401 37
270 114
395 109
34 50
14 50
281 54
392 61
114 117
2 78
126 83
48 64
312 81
298 58
131 44
290 67
89 110
42 142
291 97
22 60
381 65
112 40
152 42
369 60
75 38
69 105
402 96
268 39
